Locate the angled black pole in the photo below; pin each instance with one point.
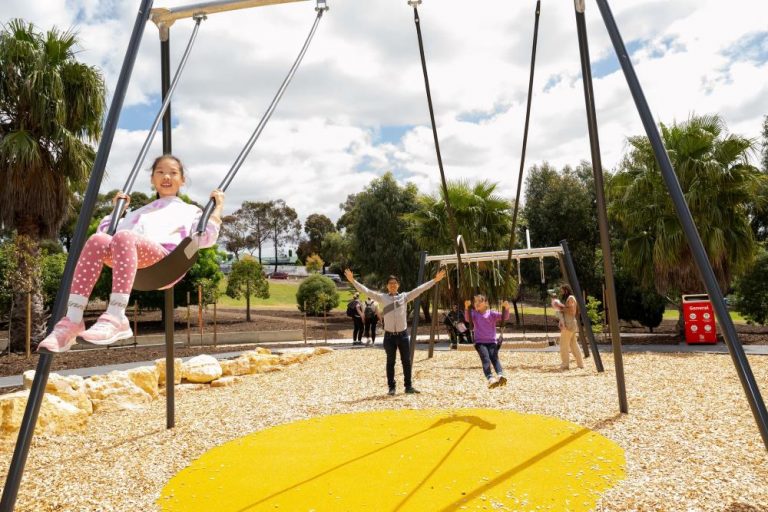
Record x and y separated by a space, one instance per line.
443 182
525 140
26 431
570 272
602 215
417 304
740 361
166 92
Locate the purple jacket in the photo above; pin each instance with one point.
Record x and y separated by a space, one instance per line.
485 324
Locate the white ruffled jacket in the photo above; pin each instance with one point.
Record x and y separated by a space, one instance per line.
167 221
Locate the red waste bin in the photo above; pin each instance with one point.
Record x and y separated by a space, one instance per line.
699 319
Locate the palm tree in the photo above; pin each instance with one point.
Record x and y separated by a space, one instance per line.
51 107
719 185
483 219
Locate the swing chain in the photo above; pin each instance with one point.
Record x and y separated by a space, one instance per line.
322 5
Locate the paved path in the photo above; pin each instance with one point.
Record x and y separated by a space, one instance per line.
720 348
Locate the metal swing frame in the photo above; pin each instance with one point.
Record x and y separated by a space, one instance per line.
561 253
163 18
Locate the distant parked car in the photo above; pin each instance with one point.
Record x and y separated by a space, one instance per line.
278 275
336 278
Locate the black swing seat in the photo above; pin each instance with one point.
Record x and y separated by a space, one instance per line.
169 270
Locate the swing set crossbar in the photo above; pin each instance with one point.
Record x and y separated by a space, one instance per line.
517 254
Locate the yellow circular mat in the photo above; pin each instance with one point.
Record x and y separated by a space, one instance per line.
393 460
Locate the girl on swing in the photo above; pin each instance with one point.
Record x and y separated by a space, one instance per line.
484 321
143 237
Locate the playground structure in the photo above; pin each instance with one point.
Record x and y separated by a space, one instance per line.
561 254
185 254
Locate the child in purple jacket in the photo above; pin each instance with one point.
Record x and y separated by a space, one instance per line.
484 321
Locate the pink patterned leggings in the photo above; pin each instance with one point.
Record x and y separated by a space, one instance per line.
125 252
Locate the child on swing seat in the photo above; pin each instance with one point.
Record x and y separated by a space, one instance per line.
143 237
484 321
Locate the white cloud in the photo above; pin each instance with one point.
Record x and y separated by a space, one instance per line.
363 72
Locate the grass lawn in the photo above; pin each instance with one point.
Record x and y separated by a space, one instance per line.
281 294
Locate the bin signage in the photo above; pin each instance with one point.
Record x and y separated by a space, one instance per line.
699 319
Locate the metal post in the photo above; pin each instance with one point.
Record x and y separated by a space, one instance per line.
170 366
738 356
602 216
570 275
24 440
28 334
135 323
417 304
200 311
170 383
214 325
189 329
433 327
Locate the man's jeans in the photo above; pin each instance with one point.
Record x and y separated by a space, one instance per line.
489 354
393 343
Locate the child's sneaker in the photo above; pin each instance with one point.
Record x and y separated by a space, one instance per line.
502 381
62 337
107 330
493 382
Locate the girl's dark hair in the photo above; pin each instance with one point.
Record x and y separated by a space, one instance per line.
167 156
393 278
481 297
567 291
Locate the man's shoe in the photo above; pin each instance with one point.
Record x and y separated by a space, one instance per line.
502 381
412 391
454 346
62 336
391 392
493 382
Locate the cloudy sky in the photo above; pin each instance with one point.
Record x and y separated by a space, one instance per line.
357 107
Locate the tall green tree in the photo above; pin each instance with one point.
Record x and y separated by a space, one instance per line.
758 211
284 226
257 216
316 227
719 184
379 238
51 108
560 205
247 280
483 218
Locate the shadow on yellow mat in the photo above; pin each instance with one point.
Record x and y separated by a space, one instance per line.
398 460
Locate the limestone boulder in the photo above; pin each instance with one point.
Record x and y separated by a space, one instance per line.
160 366
294 357
116 391
225 381
57 416
145 377
202 369
70 388
234 367
259 363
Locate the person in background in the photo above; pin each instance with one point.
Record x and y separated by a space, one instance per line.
371 318
457 327
355 311
567 309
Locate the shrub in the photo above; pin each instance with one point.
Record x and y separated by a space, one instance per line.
751 291
314 263
319 293
635 303
593 311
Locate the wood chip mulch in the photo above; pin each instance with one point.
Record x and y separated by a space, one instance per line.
690 439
